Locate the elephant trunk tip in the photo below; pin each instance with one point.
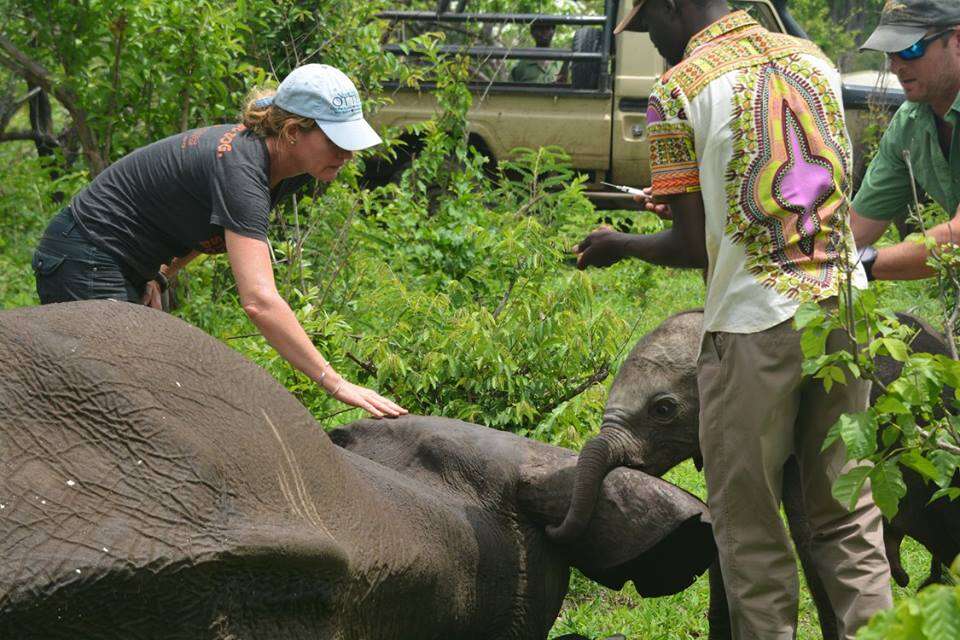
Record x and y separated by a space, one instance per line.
566 532
592 466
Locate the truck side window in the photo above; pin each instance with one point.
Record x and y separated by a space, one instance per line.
759 12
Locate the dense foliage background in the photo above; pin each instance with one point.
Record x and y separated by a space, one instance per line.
450 290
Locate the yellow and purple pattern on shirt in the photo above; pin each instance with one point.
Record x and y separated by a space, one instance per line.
787 181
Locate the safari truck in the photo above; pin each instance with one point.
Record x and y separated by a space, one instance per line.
594 107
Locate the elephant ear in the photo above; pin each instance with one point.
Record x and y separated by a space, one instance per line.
643 529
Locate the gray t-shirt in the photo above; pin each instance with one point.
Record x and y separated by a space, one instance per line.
179 194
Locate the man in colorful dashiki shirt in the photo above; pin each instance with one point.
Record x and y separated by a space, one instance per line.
749 150
922 41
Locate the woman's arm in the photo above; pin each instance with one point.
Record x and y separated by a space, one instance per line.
171 270
152 292
250 261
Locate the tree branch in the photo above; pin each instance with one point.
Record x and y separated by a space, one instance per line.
597 377
31 136
371 370
32 71
506 297
119 29
946 446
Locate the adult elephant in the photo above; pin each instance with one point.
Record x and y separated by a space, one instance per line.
155 484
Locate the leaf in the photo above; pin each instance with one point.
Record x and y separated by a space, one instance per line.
952 493
809 314
950 370
813 342
889 404
945 462
827 380
908 425
847 487
896 348
832 436
858 432
915 460
889 436
888 487
941 612
907 388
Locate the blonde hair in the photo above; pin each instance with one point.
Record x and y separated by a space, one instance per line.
271 120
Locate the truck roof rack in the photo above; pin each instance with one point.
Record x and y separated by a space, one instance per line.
503 53
442 16
502 18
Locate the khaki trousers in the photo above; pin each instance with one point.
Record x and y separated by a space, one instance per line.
755 411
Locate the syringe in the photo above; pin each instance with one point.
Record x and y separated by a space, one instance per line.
619 187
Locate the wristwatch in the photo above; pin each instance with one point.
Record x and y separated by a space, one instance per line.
161 281
867 256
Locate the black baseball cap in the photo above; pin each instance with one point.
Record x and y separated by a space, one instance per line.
904 22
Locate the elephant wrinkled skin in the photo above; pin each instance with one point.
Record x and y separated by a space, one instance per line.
155 484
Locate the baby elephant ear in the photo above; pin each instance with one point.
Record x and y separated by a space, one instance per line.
643 529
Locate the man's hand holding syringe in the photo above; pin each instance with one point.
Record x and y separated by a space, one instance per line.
645 197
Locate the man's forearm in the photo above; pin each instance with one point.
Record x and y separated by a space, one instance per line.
908 260
902 261
865 230
665 249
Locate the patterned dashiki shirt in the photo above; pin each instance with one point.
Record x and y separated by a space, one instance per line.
754 121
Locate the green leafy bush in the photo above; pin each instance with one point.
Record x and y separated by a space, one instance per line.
448 291
933 614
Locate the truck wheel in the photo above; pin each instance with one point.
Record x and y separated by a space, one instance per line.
586 75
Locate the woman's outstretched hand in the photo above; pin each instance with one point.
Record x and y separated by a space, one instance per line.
366 399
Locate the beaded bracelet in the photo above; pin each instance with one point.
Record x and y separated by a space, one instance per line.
336 389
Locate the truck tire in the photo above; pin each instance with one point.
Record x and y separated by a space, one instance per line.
586 75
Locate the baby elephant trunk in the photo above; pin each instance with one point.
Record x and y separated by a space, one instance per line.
596 459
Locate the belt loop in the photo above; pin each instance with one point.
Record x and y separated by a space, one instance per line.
717 337
72 222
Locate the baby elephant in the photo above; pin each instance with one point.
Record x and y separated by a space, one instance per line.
651 423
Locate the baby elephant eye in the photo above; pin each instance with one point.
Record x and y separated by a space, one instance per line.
664 408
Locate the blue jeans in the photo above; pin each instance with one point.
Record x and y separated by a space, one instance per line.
68 266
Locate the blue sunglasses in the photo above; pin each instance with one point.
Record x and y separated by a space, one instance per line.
918 48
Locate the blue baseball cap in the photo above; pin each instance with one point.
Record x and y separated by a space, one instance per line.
327 95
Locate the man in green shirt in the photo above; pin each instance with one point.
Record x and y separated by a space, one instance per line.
539 71
922 41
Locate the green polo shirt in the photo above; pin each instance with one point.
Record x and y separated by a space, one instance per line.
886 193
544 72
